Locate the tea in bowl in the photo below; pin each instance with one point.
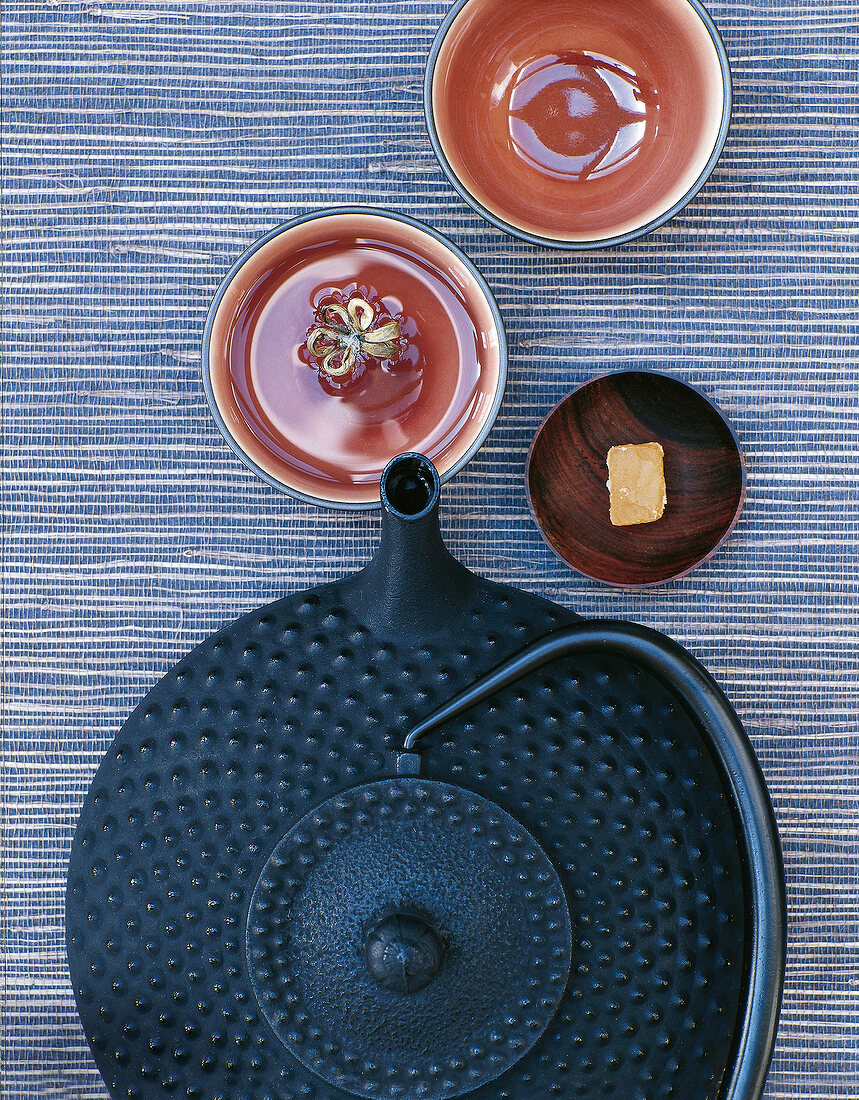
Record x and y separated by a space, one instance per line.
578 125
344 338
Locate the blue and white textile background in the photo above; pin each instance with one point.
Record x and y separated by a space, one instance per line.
146 143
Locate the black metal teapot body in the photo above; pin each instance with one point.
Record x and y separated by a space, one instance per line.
418 835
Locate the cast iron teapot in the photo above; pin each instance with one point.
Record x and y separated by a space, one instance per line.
418 835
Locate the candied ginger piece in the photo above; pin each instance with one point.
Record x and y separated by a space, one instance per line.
636 484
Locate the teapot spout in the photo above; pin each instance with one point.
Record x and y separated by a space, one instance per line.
413 586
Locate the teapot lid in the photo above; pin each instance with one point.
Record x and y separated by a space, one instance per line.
408 937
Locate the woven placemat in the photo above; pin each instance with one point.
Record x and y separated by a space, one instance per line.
145 145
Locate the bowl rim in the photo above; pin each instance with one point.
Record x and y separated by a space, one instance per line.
337 211
698 393
548 241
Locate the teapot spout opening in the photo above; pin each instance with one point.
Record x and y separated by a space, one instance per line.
410 487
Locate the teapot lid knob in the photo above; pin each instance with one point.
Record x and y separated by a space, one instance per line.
403 952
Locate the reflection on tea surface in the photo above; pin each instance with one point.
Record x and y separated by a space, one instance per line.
577 115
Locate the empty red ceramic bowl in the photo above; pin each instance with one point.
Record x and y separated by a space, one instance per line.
578 123
344 338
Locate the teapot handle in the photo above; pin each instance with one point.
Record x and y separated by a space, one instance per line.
669 661
679 670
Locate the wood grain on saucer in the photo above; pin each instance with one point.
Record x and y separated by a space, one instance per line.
567 475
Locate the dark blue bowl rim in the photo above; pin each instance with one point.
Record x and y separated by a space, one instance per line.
603 242
390 215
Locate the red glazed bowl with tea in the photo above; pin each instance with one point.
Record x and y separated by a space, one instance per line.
344 338
578 123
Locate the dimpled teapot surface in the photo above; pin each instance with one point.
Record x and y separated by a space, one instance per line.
261 906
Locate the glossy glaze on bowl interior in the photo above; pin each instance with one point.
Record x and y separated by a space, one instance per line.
567 473
578 122
329 440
